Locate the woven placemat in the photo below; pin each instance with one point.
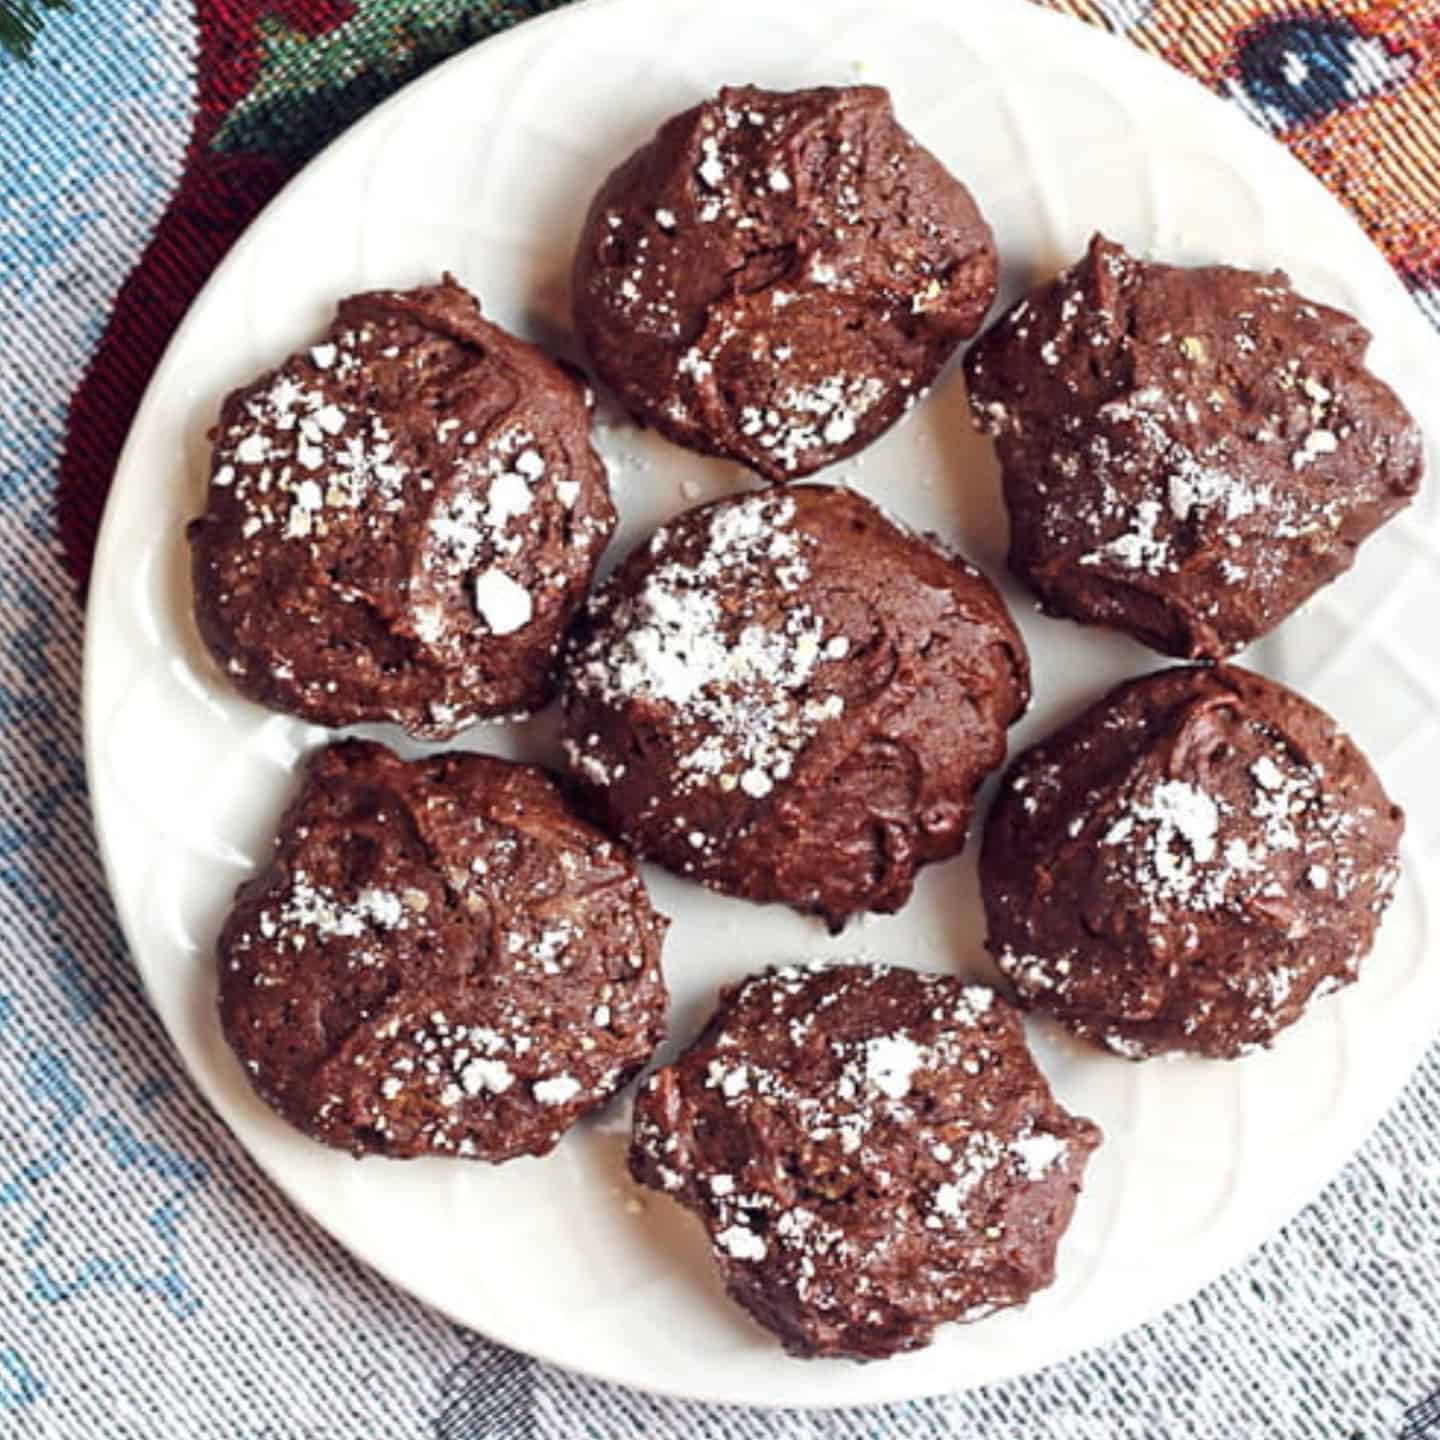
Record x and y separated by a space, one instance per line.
153 1283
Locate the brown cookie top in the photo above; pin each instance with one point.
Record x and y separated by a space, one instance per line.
401 520
1188 454
777 275
871 1150
790 698
439 958
1187 864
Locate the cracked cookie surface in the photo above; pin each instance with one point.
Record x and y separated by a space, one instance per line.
777 276
439 959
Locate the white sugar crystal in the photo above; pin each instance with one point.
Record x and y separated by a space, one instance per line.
1190 812
323 356
979 998
890 1062
756 783
981 1154
530 464
252 450
710 170
492 1075
1267 773
429 621
692 362
1123 1045
1317 443
827 412
509 496
504 605
730 1082
949 1199
382 907
331 419
1037 1153
741 1243
557 1090
1140 548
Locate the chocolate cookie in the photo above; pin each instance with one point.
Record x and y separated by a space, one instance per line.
777 275
1189 454
788 697
439 958
1188 864
872 1152
401 520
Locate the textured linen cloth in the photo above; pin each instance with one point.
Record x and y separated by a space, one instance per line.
153 1284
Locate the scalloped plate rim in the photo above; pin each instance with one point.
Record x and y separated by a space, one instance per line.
1017 13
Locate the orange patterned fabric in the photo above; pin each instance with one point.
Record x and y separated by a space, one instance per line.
1352 88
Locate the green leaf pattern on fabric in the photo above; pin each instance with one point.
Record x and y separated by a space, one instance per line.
21 22
310 88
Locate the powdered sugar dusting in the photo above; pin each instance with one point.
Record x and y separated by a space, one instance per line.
294 458
1183 845
802 419
890 1062
910 1110
744 691
1212 858
451 1035
1148 454
504 605
310 910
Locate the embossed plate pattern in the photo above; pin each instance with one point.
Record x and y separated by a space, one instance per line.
485 168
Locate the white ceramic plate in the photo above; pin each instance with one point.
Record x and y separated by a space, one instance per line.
485 168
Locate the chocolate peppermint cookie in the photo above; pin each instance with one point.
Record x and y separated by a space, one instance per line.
789 698
777 275
872 1152
1188 454
1188 864
401 520
440 958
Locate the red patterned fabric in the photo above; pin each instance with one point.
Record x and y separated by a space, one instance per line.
1353 88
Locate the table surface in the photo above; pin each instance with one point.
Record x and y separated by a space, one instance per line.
153 1284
